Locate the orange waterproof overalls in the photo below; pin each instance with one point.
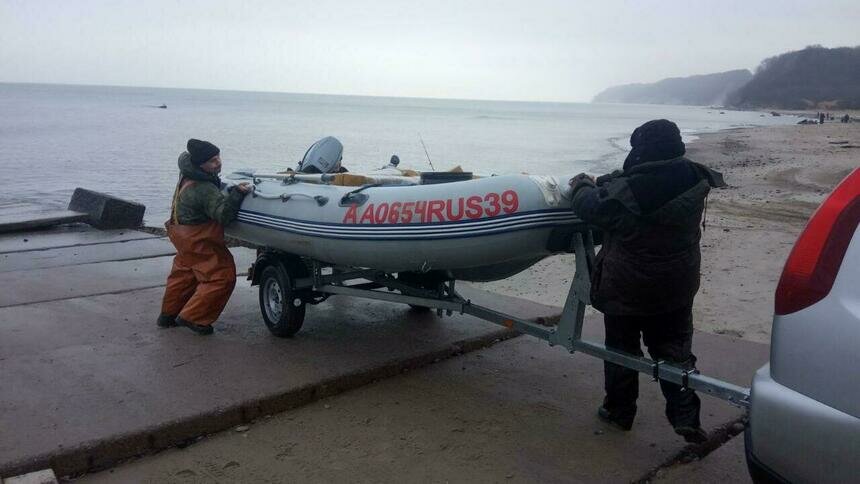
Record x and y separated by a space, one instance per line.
203 274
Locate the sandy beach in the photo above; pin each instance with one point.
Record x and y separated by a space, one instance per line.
777 176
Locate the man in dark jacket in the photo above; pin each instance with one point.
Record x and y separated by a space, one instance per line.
647 271
203 273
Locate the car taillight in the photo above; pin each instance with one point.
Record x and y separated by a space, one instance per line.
814 261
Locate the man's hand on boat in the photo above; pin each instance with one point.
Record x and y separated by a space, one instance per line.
581 177
243 187
580 181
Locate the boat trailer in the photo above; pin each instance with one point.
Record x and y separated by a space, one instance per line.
288 282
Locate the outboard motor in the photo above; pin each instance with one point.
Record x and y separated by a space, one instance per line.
324 156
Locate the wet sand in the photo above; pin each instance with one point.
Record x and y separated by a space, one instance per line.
777 176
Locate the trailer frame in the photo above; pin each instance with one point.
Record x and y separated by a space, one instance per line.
320 280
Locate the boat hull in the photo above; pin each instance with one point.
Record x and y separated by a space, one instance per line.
483 229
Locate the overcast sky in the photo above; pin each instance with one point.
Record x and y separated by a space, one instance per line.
520 50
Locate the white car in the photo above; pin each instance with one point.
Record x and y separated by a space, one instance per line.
805 404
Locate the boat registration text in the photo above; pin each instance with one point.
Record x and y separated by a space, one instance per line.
428 211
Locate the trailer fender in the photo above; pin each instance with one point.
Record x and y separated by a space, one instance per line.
290 264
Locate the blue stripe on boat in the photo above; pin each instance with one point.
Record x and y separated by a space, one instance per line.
448 230
559 211
408 228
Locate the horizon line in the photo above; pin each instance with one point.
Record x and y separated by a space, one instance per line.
293 92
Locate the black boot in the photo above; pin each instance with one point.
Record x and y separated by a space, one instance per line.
622 422
166 321
693 435
197 328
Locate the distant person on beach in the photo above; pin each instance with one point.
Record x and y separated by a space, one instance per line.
647 271
203 273
820 118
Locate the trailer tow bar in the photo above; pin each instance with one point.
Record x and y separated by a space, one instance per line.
567 333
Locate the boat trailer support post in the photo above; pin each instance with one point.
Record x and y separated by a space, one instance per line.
569 329
569 335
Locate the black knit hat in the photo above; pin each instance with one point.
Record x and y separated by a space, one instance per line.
201 151
655 140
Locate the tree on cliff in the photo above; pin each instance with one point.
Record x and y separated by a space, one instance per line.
806 79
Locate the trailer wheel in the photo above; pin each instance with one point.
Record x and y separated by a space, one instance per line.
282 311
419 309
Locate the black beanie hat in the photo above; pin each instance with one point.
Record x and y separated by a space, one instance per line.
655 140
201 151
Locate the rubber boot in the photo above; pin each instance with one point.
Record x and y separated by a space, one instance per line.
693 435
197 328
166 321
623 423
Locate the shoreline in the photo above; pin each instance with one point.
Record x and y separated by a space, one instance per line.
777 177
620 147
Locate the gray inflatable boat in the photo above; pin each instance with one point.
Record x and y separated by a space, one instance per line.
393 220
478 229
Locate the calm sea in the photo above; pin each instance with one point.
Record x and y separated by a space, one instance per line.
54 138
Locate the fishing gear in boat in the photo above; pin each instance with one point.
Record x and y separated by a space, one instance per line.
425 152
342 179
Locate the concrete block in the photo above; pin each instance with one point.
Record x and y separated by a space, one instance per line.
106 211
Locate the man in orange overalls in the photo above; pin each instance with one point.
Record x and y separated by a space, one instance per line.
203 273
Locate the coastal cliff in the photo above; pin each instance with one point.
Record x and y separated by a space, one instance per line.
702 90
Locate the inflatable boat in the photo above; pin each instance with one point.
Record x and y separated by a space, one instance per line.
478 229
393 220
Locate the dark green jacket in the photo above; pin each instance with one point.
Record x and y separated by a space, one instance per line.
203 201
649 215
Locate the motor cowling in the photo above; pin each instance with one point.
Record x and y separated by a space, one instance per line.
324 156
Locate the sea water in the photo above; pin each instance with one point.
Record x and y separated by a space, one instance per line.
118 140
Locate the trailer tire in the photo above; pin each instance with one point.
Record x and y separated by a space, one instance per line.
282 311
419 309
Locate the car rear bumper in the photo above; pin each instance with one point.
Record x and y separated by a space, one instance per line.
792 437
760 473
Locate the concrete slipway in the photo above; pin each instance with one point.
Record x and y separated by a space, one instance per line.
87 380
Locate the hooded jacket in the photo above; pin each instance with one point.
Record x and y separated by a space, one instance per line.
203 201
649 213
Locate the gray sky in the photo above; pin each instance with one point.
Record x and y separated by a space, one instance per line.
539 50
